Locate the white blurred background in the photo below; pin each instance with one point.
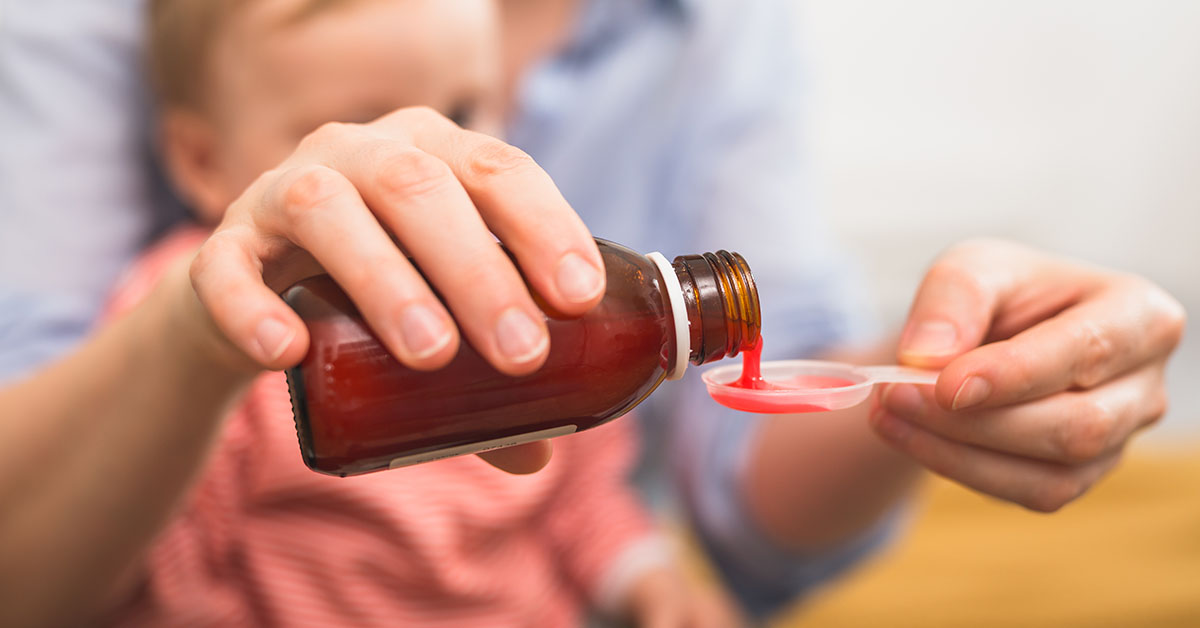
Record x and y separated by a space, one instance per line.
1072 125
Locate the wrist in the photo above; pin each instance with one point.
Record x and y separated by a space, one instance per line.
622 590
650 589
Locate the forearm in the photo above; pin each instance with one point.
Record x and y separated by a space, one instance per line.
815 481
96 450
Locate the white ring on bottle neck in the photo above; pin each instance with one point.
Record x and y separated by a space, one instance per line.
683 338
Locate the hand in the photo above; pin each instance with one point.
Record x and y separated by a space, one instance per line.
667 598
1048 368
353 200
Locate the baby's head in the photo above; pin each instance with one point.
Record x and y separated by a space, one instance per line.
241 82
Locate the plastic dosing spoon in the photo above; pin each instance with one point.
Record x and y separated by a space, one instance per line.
789 386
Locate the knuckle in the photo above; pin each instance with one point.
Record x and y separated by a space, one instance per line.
329 133
412 173
489 276
207 266
1053 493
1156 406
309 188
201 262
424 112
1019 368
418 116
495 159
1172 317
482 276
1096 353
216 246
1089 432
1166 319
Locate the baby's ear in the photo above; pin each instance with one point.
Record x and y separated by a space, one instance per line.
188 144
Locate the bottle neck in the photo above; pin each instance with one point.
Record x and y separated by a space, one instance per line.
721 304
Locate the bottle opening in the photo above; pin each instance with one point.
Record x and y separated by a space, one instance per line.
722 304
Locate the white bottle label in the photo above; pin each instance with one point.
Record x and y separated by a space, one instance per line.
475 448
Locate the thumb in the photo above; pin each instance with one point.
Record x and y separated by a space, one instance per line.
520 459
951 313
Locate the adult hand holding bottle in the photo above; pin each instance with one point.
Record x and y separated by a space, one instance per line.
353 200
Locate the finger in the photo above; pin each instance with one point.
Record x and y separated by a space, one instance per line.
320 211
1070 427
520 459
418 198
523 207
981 288
951 312
1034 484
1112 331
227 278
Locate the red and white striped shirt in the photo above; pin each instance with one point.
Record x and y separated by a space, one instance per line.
262 540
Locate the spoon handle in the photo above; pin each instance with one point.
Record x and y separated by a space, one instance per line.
899 375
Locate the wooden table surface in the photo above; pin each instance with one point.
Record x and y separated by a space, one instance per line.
1126 554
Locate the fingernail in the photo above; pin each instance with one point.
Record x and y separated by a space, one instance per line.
424 332
903 400
273 338
973 392
520 339
578 281
931 339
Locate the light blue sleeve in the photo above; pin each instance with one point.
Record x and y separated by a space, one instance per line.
76 189
764 577
740 184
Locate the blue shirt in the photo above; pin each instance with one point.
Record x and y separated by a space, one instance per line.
669 125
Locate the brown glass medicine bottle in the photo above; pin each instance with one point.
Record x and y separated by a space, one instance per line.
358 410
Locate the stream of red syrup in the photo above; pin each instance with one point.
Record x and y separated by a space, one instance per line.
752 379
752 370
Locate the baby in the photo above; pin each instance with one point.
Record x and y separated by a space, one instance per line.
260 539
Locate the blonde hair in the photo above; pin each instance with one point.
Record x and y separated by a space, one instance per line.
181 34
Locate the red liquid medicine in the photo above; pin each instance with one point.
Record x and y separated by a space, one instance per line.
358 410
752 369
752 379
